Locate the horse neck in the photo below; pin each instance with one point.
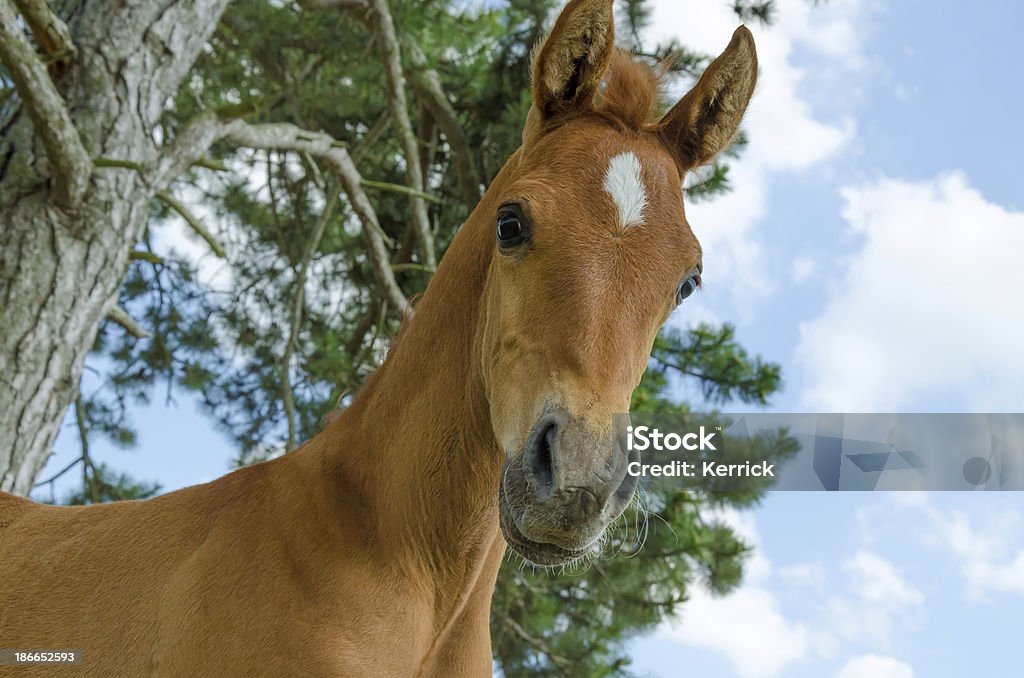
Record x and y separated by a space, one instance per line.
417 441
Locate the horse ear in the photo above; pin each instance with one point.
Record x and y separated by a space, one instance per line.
572 60
704 121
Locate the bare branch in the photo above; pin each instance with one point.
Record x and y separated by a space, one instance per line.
562 665
428 88
399 188
298 305
211 164
334 4
145 255
121 317
188 148
358 361
58 474
371 137
428 137
288 137
193 223
391 55
49 30
117 163
90 488
427 85
365 324
419 268
70 166
198 135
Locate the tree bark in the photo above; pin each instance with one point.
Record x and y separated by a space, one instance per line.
62 260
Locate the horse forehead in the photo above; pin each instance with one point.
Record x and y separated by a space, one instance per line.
624 183
618 180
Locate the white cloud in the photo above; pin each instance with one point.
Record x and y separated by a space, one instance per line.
930 304
785 134
870 602
746 626
848 612
880 583
873 666
878 597
983 533
804 268
989 551
805 575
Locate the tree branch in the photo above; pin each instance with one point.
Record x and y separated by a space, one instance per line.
562 665
91 490
188 148
199 134
334 4
196 225
298 304
355 342
428 87
428 137
371 137
211 164
106 163
378 329
121 317
49 30
58 474
384 29
399 188
144 255
288 137
426 83
70 166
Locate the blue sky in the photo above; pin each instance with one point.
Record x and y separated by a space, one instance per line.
873 246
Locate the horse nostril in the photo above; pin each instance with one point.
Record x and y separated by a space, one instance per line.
542 465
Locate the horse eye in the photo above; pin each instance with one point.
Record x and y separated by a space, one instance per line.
513 228
687 287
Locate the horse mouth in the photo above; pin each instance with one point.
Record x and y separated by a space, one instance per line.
538 553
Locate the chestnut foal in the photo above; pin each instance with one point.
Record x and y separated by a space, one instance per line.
373 549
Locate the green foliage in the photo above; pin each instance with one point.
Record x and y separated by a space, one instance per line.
721 367
268 369
761 11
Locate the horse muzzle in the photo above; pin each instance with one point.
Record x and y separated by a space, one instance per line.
563 488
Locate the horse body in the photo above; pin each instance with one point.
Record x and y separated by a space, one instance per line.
374 548
262 572
371 550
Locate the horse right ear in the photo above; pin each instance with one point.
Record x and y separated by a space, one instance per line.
572 60
705 121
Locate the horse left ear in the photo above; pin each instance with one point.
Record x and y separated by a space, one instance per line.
569 66
704 121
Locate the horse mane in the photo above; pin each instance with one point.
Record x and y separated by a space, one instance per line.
631 92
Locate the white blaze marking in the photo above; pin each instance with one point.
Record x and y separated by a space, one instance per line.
624 184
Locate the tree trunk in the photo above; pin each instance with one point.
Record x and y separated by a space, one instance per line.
61 267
